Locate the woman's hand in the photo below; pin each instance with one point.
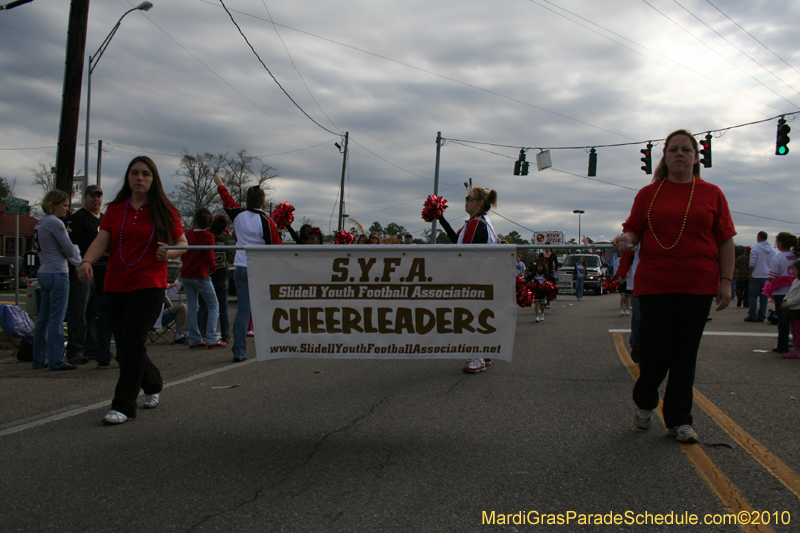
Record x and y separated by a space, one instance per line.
217 180
723 297
785 305
86 273
161 253
622 243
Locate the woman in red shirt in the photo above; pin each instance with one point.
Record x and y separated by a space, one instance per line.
138 223
684 231
197 264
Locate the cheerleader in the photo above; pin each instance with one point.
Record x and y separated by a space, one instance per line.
541 276
477 230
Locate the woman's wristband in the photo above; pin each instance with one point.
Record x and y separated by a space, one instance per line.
82 262
729 279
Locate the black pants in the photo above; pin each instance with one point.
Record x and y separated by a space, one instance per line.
131 316
670 331
743 292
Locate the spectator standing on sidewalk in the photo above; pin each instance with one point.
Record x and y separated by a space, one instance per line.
55 249
741 277
139 222
781 276
760 259
197 265
219 278
83 320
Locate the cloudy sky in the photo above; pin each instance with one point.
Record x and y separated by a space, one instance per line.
493 77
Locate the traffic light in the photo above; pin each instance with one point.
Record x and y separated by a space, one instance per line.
705 151
647 159
783 138
521 166
592 163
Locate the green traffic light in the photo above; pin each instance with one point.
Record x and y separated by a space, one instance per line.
783 150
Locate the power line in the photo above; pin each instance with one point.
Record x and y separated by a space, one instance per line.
739 49
454 80
588 146
652 52
720 55
751 35
291 59
223 80
270 73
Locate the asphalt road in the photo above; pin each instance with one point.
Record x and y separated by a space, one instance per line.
365 445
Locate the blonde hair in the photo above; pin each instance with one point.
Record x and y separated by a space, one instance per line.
56 196
489 198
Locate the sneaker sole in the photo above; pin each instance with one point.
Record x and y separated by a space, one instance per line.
474 371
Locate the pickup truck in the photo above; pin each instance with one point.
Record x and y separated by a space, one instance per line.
595 273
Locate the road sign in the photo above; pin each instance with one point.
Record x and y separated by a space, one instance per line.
548 237
11 200
19 209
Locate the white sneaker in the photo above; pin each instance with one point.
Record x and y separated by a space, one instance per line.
537 318
150 401
475 366
684 433
113 418
541 317
643 418
621 312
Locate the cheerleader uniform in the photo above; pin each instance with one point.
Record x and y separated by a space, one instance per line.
476 230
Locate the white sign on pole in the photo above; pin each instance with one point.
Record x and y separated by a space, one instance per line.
383 302
548 237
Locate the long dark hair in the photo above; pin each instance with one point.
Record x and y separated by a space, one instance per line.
662 171
162 211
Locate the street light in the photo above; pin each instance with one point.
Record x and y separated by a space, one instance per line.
144 6
579 212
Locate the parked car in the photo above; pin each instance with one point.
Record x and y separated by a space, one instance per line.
7 277
595 273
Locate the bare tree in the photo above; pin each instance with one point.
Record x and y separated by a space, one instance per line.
240 174
45 177
7 187
197 188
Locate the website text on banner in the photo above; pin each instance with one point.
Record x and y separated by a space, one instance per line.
381 302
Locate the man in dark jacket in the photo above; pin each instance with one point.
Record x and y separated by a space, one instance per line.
82 226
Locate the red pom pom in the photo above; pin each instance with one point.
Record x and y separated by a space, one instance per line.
611 284
550 290
283 215
433 208
343 237
524 293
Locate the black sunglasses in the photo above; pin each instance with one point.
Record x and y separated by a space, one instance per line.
470 198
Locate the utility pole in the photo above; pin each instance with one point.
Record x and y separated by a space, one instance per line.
436 181
344 168
99 158
71 96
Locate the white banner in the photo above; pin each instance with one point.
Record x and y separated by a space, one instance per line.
383 301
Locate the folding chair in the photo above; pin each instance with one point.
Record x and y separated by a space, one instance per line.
162 329
164 325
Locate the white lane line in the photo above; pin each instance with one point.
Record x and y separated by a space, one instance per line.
716 333
38 420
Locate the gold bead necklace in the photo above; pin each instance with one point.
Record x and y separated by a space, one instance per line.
685 216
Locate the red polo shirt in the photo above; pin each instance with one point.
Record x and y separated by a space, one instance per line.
691 266
143 270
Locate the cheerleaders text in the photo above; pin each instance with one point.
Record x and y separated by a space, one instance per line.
382 320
